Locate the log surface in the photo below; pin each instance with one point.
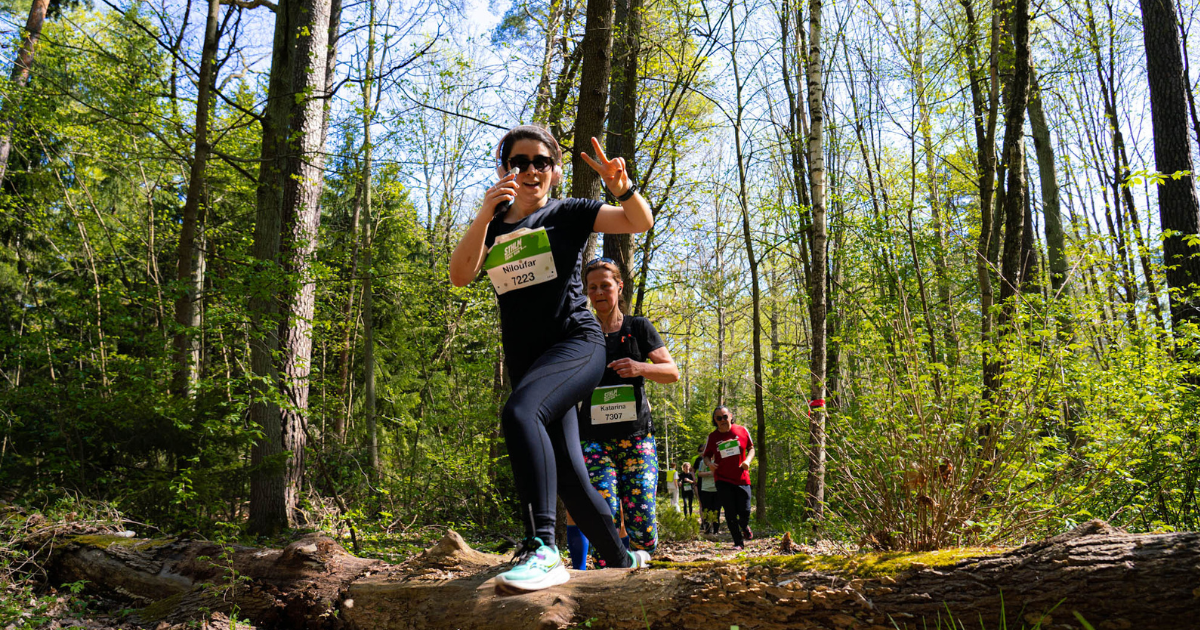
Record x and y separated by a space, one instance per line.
1117 581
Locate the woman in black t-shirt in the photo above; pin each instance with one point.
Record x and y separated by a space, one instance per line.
615 425
687 484
532 248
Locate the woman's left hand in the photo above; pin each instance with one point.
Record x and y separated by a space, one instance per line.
626 368
611 171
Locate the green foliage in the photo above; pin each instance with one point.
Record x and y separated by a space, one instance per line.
674 525
26 539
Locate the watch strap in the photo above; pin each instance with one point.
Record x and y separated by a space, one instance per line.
625 196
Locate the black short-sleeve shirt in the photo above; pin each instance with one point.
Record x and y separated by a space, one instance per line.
636 339
536 317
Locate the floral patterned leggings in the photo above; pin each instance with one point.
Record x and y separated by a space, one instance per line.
627 469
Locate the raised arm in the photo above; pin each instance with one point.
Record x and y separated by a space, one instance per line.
633 216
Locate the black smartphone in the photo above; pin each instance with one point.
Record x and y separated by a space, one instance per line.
502 207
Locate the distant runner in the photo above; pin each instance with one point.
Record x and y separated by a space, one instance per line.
729 452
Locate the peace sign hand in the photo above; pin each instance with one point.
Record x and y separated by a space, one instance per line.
611 171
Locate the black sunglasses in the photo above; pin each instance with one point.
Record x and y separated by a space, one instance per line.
540 163
721 417
601 260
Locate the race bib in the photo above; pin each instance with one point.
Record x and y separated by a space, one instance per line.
613 404
521 262
729 448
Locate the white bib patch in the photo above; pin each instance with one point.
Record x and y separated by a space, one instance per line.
729 448
520 261
615 403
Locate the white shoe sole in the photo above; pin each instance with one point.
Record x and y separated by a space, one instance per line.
556 576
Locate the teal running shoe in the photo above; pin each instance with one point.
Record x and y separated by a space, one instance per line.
538 566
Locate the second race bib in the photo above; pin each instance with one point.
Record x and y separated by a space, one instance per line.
613 404
521 262
729 448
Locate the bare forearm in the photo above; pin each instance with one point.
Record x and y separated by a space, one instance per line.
662 373
637 212
467 258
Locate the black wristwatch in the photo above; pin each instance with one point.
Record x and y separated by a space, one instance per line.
628 193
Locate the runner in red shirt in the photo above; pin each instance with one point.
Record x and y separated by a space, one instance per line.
728 453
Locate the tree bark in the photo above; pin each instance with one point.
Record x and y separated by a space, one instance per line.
189 256
1179 210
593 96
814 490
285 239
1113 579
621 139
1048 177
541 107
985 117
20 76
368 289
1014 158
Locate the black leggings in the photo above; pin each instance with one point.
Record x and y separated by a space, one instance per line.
736 501
541 431
687 502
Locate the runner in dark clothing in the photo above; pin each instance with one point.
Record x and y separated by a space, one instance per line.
687 482
532 248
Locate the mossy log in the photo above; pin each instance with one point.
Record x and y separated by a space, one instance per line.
1114 580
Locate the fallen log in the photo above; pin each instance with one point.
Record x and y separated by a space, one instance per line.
173 581
1115 580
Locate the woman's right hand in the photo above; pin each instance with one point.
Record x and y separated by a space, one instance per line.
469 254
505 190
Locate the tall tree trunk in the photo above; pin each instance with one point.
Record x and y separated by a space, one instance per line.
368 307
593 96
985 118
1178 208
1191 98
187 311
790 26
290 232
815 485
349 320
20 77
541 107
621 139
1048 177
1014 158
269 511
1029 257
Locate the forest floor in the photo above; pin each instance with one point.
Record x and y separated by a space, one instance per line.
720 547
